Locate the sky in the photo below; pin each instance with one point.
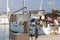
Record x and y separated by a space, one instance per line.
30 4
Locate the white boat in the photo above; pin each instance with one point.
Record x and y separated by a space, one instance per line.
4 27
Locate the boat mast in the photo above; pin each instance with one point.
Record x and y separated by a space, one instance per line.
23 4
53 4
41 3
7 8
